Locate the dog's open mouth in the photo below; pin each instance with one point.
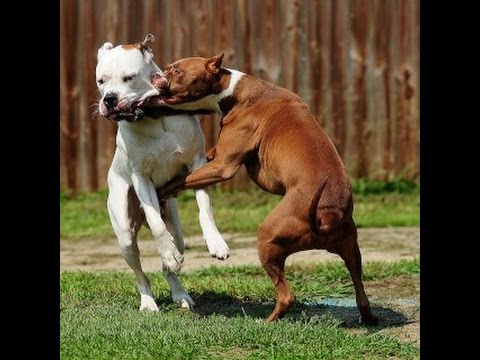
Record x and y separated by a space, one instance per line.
131 114
165 98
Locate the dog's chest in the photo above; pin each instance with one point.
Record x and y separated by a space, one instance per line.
157 154
158 159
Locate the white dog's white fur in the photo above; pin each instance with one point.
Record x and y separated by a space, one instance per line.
149 153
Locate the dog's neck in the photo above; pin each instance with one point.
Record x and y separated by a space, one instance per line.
235 77
213 102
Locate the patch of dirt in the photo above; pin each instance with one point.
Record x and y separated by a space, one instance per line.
401 286
386 244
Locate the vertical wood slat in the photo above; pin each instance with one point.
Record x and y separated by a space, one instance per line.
338 73
87 13
324 38
360 29
383 84
246 35
202 45
406 146
223 39
313 46
154 20
268 65
291 57
69 92
371 115
112 22
135 20
177 29
201 40
318 50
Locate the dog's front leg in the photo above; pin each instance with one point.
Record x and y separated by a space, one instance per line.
171 257
172 221
126 219
217 247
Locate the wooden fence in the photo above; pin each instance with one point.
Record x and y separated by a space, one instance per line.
355 62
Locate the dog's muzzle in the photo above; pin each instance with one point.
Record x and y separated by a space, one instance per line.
113 109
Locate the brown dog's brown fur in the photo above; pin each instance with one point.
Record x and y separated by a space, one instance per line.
286 152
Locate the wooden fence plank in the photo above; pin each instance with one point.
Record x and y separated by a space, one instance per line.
88 83
291 58
268 65
324 26
360 30
406 146
69 91
112 21
383 86
246 37
339 16
134 14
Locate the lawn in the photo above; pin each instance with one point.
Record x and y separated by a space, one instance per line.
377 204
99 317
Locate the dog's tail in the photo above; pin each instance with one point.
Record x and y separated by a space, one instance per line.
329 218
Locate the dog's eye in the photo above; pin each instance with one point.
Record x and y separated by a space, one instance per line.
100 81
177 72
128 78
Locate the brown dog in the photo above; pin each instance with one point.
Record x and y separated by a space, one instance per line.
286 152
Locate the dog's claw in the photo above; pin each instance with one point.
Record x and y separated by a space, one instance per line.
184 300
217 247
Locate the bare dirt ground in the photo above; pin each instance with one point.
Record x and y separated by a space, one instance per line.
386 244
396 301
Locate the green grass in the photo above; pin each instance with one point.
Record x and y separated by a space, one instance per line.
377 204
99 317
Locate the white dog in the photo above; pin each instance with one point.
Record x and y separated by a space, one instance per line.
149 153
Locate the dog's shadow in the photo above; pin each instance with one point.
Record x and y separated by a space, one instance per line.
212 303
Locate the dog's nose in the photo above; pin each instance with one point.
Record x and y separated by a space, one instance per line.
110 100
158 81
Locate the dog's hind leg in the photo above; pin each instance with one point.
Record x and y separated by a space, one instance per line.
172 221
350 253
273 257
278 237
127 218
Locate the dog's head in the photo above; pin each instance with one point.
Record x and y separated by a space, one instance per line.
124 80
190 79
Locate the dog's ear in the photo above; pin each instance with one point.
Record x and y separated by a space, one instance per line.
214 64
103 48
145 49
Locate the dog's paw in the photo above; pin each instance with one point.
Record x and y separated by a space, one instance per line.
184 300
172 260
217 247
148 304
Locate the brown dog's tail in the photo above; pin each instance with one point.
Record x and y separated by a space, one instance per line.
312 213
330 218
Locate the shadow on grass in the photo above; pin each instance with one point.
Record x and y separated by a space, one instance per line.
344 311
